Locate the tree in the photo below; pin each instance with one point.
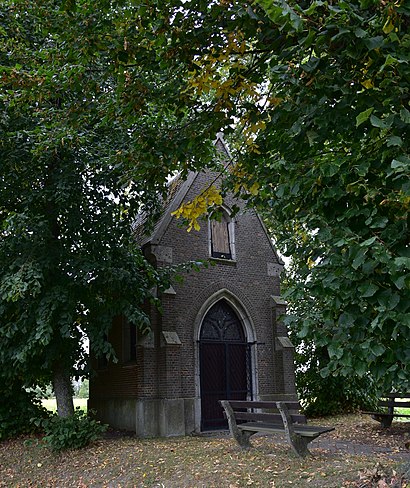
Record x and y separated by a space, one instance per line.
321 395
68 260
336 182
83 390
316 98
101 104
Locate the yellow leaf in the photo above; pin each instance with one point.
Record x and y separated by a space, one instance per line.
368 84
388 26
275 100
191 211
254 189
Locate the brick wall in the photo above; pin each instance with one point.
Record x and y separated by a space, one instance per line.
119 379
169 370
246 279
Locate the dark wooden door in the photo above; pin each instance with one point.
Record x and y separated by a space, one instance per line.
224 364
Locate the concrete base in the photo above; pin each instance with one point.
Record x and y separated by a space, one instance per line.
116 412
148 417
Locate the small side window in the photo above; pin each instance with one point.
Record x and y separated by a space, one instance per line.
221 237
129 344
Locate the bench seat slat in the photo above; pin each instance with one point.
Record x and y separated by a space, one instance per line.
282 397
386 414
304 430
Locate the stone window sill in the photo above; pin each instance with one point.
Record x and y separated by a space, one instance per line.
129 364
228 262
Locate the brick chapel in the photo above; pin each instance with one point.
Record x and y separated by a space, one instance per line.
219 336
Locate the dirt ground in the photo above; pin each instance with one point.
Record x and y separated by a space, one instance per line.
362 429
358 454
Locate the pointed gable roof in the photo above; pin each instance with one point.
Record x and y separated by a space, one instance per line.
177 191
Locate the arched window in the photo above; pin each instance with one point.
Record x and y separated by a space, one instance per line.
221 324
222 236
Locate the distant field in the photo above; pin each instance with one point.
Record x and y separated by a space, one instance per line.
50 404
405 411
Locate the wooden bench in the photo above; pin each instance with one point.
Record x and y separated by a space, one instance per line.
391 401
281 415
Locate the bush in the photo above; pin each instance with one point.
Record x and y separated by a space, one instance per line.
329 395
83 391
322 394
72 432
17 408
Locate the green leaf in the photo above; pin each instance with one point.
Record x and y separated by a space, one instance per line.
400 282
282 14
335 351
361 368
359 258
374 42
368 242
376 122
377 349
403 163
391 61
368 289
360 33
388 300
394 141
379 223
402 262
346 319
363 116
405 115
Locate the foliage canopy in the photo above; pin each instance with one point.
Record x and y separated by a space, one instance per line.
68 260
315 97
100 104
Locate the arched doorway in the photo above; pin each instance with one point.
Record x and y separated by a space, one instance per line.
224 356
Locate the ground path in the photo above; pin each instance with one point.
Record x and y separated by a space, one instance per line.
351 447
358 435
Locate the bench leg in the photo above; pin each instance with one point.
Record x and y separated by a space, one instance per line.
385 420
241 436
297 442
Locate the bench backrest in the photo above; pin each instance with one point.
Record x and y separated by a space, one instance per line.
396 394
266 411
395 399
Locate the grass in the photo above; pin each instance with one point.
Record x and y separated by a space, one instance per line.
199 461
50 404
182 462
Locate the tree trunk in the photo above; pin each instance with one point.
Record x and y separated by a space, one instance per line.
64 393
